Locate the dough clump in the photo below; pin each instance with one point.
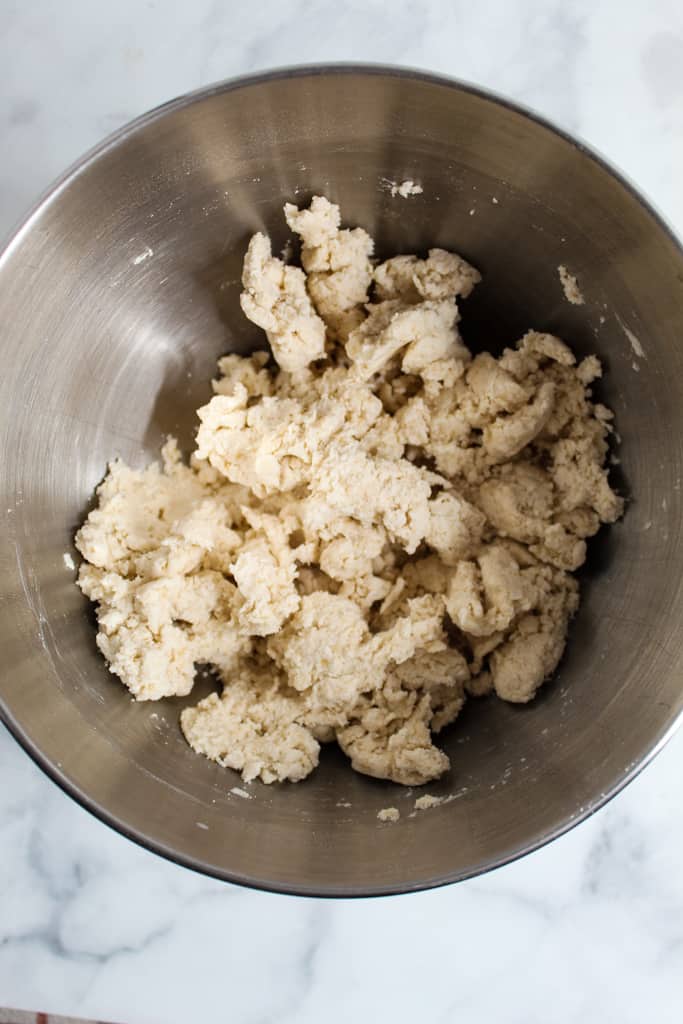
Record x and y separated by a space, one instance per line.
368 532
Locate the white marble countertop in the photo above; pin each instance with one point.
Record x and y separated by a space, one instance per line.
590 928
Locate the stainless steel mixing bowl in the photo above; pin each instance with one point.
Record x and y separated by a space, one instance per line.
116 297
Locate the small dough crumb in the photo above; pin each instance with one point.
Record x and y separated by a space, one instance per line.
369 533
69 563
241 792
406 188
423 803
634 341
570 286
389 814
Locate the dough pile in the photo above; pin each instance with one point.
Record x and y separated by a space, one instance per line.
364 536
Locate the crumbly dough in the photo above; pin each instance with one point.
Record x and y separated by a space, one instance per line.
570 287
367 533
406 188
426 802
389 814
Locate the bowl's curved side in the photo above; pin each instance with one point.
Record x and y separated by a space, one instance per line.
116 297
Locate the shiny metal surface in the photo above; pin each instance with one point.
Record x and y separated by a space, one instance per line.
116 298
